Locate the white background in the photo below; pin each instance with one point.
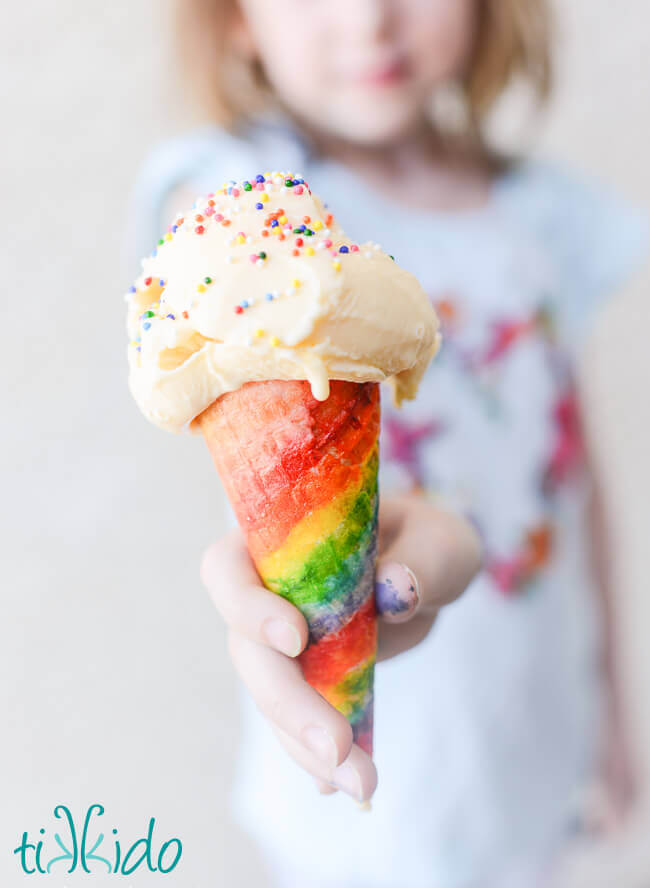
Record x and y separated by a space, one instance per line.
116 687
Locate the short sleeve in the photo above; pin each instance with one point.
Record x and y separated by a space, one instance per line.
199 160
203 160
595 242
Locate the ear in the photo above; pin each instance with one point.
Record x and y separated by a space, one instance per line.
239 32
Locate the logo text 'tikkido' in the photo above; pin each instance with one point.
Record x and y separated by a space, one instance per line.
84 847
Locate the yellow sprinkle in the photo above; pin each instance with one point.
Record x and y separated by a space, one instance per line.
200 288
168 236
309 251
295 282
317 225
336 265
264 197
259 332
275 340
241 239
283 220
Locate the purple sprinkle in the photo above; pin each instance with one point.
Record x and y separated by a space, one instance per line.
274 223
259 206
259 178
343 249
138 348
161 282
269 296
174 229
132 290
173 317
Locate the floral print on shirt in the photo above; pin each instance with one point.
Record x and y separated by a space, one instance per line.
407 438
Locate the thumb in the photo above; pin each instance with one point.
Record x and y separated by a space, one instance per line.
430 557
397 591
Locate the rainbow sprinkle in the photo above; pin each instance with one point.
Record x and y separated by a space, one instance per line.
304 237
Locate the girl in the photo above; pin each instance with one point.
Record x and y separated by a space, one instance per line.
488 728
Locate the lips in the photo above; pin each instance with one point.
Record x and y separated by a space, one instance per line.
388 74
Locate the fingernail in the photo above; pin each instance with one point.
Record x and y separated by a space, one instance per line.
397 590
347 779
282 636
321 743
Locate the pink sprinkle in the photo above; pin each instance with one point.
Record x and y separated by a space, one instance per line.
288 227
259 186
218 217
328 242
209 211
298 189
333 253
354 248
211 194
253 257
235 192
241 234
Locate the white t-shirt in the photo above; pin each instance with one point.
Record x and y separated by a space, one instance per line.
486 731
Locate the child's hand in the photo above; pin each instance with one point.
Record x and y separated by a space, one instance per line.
266 631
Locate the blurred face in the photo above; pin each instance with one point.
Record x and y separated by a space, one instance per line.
359 69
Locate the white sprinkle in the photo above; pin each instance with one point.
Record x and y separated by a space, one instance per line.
230 260
259 263
320 246
249 239
368 254
291 291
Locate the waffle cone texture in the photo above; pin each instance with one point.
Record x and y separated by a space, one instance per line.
301 476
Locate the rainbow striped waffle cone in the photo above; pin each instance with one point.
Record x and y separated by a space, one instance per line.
301 476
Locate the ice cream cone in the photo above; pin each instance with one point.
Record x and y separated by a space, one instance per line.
301 476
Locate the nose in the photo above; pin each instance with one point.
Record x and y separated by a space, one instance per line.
369 17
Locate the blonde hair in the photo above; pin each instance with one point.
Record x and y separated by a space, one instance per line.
513 39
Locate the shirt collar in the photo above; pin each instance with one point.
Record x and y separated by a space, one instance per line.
277 125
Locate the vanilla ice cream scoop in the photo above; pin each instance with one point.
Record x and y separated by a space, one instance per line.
257 281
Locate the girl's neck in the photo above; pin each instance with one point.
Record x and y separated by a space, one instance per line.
419 168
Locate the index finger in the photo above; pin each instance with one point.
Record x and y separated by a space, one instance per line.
246 605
